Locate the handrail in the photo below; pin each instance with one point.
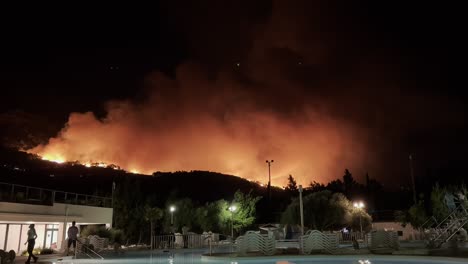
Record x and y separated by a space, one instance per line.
453 225
458 229
427 221
87 248
452 213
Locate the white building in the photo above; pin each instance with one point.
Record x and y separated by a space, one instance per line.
50 211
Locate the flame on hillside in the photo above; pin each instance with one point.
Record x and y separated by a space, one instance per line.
308 149
53 158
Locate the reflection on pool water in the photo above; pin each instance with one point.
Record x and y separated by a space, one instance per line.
184 257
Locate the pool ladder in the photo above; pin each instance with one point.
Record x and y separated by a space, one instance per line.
88 251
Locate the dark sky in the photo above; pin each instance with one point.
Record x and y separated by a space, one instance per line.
383 66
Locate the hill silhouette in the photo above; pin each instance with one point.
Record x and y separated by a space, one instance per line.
201 186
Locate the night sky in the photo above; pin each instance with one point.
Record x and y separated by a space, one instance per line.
319 86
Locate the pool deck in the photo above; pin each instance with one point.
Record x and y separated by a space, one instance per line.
42 258
459 255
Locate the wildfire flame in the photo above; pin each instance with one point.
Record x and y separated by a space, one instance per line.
213 126
305 150
53 158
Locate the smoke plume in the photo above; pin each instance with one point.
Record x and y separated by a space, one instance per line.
301 84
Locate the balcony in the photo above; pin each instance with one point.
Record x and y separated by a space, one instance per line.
15 193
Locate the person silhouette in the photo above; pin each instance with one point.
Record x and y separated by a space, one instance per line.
72 236
31 242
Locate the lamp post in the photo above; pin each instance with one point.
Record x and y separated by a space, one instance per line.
172 209
112 202
269 178
412 178
359 205
232 208
301 208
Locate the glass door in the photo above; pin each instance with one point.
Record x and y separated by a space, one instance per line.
51 236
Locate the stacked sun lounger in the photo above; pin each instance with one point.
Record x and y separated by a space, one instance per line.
316 241
255 242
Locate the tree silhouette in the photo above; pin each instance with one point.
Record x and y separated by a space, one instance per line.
291 188
325 210
152 215
335 186
349 182
316 187
322 211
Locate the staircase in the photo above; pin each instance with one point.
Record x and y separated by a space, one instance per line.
447 228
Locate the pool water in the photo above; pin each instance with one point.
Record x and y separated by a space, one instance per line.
195 257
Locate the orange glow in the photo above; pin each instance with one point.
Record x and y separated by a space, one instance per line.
306 150
226 131
54 158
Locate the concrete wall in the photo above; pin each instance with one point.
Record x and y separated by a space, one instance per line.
16 212
17 236
16 217
408 231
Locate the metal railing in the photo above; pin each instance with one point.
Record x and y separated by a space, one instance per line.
348 237
429 223
172 241
17 193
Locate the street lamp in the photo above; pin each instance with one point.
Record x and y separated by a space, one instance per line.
269 178
232 208
301 208
359 205
172 209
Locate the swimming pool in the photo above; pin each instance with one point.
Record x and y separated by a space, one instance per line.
196 257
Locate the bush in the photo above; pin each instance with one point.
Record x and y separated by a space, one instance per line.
117 236
36 251
93 230
39 251
47 251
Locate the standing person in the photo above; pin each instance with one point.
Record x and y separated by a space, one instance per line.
72 236
31 242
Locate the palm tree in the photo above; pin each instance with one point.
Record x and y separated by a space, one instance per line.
152 215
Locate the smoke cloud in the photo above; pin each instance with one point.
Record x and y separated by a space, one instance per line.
193 123
300 83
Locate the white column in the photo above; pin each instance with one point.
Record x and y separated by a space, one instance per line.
64 231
